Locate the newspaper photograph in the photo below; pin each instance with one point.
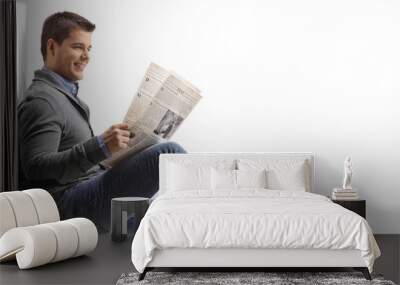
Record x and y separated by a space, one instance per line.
163 101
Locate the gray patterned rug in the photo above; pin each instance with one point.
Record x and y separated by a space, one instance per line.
270 278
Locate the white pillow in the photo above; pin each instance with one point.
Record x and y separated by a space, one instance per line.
226 179
282 174
223 179
289 179
251 178
185 177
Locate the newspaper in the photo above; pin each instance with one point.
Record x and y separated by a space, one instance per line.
161 104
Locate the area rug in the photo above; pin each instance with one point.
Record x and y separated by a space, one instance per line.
269 278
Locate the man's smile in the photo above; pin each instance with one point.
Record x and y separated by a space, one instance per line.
80 66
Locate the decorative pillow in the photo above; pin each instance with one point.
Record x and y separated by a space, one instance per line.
288 179
251 178
226 179
223 179
181 177
282 174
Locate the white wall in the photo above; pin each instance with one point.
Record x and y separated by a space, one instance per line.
320 76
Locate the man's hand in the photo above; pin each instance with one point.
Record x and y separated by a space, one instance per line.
116 137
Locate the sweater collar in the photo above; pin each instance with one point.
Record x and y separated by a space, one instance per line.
46 77
69 86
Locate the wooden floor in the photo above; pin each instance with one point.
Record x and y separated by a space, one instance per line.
110 260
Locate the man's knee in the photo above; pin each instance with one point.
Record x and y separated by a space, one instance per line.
154 151
172 147
168 147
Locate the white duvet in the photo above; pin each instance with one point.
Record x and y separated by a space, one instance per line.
251 218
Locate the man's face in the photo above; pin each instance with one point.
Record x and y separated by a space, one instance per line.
71 57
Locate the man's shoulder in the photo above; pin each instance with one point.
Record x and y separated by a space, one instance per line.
38 105
40 92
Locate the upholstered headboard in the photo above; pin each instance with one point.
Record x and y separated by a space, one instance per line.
232 158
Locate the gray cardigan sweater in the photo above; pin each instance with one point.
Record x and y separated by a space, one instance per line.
57 148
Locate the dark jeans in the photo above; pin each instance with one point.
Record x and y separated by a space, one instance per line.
135 176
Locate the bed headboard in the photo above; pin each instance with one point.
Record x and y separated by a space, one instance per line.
217 156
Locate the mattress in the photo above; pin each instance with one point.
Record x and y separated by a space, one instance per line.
251 219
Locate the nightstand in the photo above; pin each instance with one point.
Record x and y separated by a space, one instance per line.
126 214
357 206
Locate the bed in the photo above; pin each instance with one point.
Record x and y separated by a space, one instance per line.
247 210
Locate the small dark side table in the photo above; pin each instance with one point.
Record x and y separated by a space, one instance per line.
126 214
357 206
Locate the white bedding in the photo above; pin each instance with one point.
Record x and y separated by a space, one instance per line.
251 218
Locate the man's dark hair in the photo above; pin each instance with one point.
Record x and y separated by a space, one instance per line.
59 25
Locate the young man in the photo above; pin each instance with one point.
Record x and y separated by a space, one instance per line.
58 150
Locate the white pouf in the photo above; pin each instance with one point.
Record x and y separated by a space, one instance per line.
30 230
